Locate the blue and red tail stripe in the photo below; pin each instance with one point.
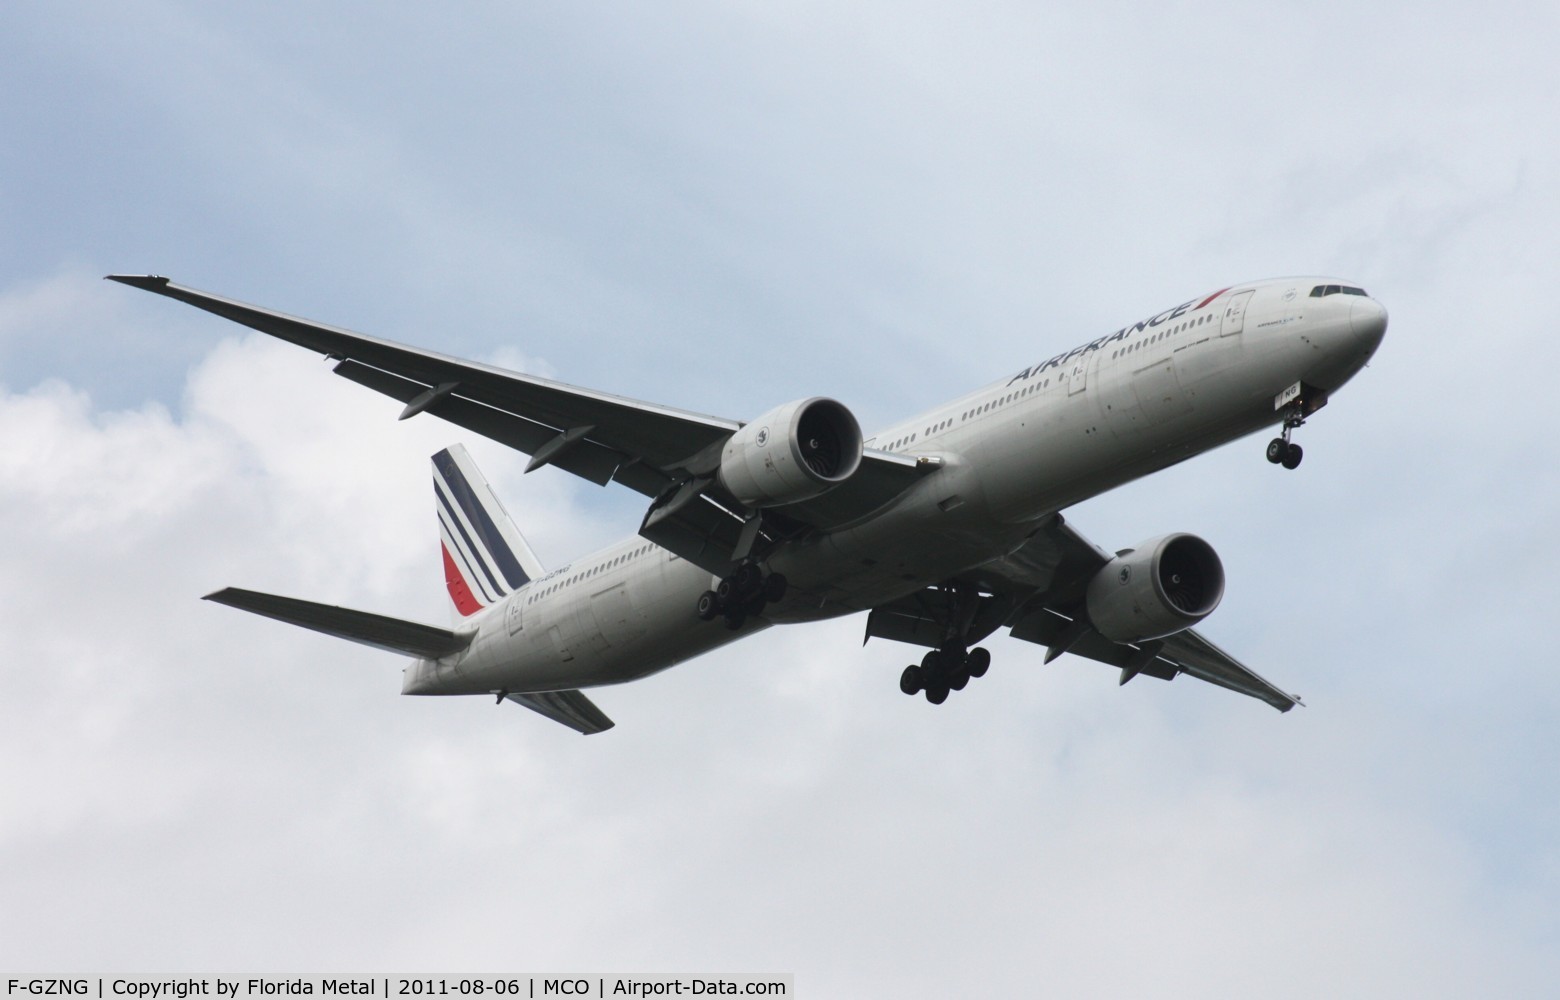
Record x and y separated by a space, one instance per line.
460 542
465 602
485 557
486 532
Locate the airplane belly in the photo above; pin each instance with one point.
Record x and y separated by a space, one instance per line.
938 530
631 626
652 626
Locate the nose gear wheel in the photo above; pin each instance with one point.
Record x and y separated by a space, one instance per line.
1281 450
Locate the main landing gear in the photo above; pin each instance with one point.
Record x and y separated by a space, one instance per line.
743 593
1281 450
944 670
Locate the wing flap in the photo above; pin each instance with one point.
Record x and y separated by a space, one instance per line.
586 459
921 619
1047 628
699 530
569 708
904 624
393 635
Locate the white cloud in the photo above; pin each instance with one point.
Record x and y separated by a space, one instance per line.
720 208
258 796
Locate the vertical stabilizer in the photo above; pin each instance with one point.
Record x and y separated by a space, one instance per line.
485 556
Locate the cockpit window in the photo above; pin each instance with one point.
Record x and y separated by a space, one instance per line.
1321 291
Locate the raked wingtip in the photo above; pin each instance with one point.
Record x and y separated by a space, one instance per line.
149 282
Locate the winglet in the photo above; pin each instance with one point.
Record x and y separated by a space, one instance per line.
148 282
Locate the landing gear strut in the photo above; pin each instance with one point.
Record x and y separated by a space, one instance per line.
944 670
1281 450
743 593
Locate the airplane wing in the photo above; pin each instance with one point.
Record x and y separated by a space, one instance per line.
1183 653
1038 593
601 437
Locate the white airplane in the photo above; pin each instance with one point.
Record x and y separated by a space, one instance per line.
945 527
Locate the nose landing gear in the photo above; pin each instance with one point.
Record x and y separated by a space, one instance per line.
1298 402
1281 450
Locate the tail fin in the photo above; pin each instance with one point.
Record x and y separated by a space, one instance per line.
485 556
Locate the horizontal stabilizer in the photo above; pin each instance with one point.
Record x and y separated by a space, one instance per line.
390 634
571 708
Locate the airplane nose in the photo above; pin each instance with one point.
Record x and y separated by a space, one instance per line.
1368 320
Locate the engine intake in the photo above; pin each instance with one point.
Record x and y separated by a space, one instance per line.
792 453
1161 587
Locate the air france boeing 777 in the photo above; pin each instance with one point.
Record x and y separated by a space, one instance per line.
944 528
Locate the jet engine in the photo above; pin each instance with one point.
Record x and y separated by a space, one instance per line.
1161 587
792 453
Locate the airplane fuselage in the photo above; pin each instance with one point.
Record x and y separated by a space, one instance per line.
1003 459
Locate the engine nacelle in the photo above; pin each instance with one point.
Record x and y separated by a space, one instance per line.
792 453
1161 587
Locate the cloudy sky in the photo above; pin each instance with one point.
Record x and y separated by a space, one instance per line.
724 206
